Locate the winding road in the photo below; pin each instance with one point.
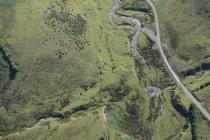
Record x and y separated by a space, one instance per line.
133 48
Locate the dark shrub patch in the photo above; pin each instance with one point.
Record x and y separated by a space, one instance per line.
73 25
118 91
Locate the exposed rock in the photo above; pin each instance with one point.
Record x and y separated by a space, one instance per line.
153 91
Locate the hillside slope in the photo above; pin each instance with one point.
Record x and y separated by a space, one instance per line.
67 73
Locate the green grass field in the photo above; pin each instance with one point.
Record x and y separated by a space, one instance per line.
76 78
47 83
185 29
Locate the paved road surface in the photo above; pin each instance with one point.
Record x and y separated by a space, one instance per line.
133 45
171 71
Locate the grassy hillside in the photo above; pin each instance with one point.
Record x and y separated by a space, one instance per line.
185 28
60 70
43 72
66 73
